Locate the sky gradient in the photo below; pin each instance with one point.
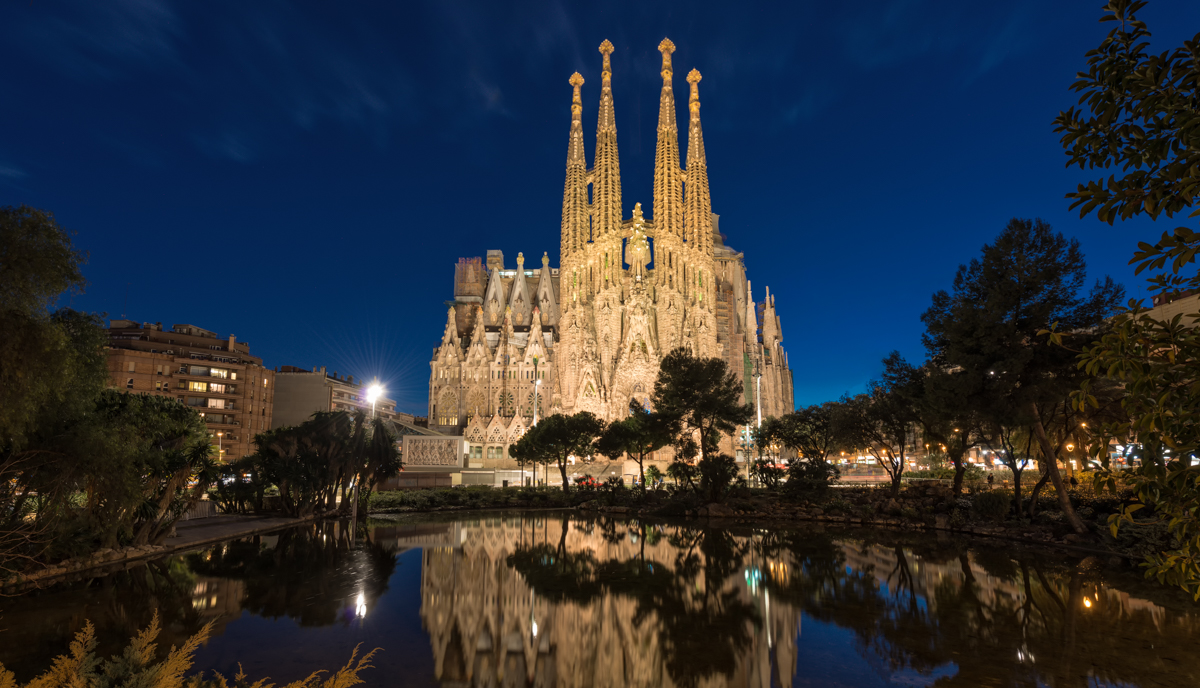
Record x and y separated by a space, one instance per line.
305 175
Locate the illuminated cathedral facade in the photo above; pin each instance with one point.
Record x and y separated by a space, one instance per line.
523 343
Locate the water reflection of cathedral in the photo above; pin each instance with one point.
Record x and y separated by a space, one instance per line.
497 615
488 626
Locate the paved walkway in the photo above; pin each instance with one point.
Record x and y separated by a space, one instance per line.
202 531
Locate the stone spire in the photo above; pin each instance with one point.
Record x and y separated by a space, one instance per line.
606 180
697 201
575 215
668 182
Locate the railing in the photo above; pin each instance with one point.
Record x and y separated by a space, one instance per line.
201 509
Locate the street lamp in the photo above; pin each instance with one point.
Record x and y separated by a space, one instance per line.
373 393
220 449
537 383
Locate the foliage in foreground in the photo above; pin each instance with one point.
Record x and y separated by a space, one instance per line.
1138 126
137 666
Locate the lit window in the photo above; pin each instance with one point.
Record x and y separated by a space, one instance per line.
129 367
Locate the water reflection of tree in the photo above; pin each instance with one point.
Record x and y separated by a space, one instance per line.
703 623
312 574
1042 633
36 627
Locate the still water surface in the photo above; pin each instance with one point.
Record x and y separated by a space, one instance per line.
556 599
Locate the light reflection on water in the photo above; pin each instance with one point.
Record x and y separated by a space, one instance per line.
553 599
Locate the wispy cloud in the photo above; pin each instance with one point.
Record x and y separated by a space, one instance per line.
12 172
101 39
227 145
1012 39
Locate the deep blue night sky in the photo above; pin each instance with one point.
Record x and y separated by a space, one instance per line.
305 175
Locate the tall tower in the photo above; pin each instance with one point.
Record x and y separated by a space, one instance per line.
575 225
698 201
668 182
606 184
576 213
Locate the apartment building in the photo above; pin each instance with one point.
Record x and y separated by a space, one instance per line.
301 392
217 376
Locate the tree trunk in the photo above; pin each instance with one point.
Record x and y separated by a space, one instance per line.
1064 499
1016 484
562 468
959 471
1033 496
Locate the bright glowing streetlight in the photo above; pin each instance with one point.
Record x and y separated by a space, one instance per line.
374 392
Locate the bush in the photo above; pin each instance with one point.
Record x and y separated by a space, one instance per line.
717 472
807 476
947 473
654 477
838 505
992 505
768 474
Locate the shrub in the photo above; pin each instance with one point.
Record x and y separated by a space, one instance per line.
839 505
947 473
806 476
717 473
768 474
654 476
991 505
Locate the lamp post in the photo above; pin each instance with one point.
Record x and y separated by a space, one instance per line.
373 393
220 447
537 383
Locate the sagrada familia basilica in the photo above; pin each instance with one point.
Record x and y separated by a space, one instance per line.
588 336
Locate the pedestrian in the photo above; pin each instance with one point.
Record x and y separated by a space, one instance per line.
1074 482
991 479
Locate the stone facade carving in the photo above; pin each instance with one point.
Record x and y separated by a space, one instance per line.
589 335
436 452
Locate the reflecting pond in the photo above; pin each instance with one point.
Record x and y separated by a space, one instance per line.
558 599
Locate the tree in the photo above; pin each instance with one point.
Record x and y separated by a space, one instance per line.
1139 115
558 437
699 398
147 464
1028 280
638 435
61 357
885 420
950 413
1138 121
812 432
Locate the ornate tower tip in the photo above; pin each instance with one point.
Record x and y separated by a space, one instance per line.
576 79
666 46
694 77
606 48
